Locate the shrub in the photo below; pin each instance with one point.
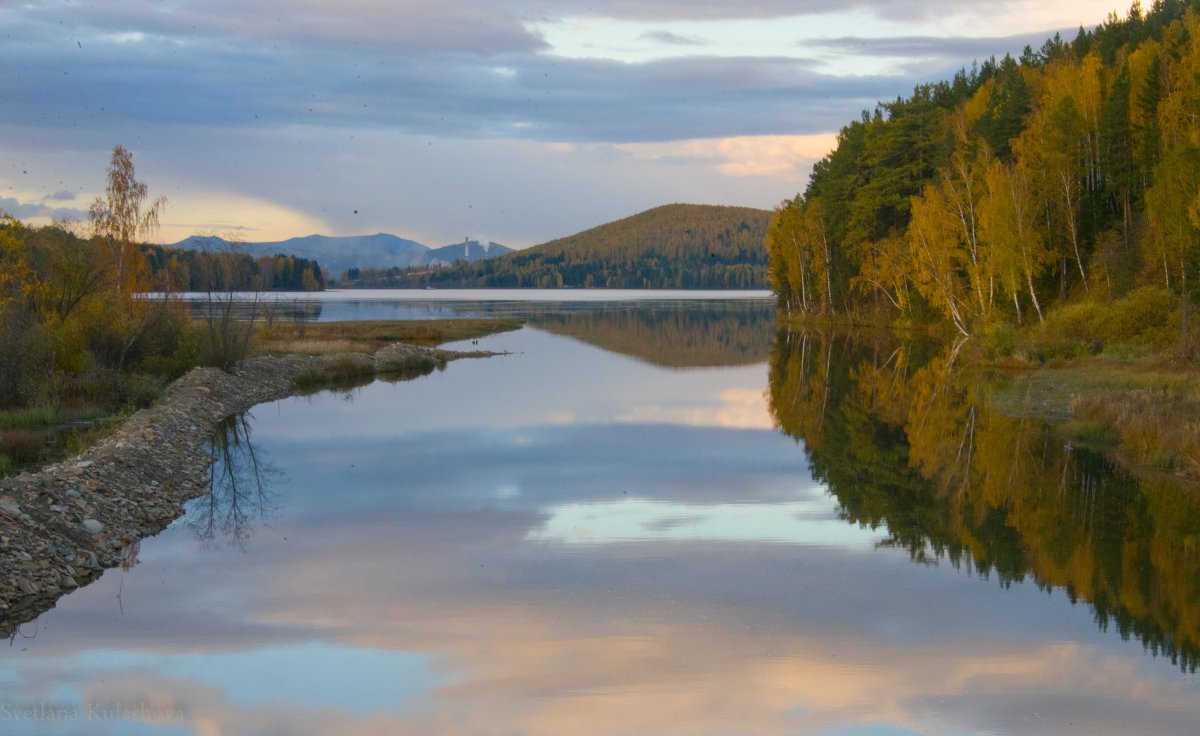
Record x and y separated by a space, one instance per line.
25 355
1000 340
1142 317
113 388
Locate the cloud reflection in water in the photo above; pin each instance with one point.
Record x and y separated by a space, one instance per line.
429 563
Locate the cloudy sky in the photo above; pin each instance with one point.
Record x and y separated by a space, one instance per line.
513 120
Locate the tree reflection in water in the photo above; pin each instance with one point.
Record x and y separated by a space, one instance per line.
908 438
242 487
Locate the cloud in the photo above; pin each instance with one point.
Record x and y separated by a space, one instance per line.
325 108
39 211
959 50
733 409
425 26
673 39
242 217
160 83
786 157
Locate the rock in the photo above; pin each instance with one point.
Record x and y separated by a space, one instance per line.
68 582
9 506
92 526
26 587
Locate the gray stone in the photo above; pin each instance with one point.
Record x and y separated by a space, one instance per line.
92 526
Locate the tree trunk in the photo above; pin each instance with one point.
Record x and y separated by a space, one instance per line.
1184 344
1033 296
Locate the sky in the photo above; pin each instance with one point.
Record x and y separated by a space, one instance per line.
516 121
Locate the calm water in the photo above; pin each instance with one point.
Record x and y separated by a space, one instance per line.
640 522
340 305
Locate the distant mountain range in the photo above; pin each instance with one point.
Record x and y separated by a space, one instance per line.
339 254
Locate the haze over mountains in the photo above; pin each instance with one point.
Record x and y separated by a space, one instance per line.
338 254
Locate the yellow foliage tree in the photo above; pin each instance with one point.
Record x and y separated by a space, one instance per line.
1009 219
124 217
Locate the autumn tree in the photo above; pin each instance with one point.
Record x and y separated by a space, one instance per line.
1010 221
124 217
1172 209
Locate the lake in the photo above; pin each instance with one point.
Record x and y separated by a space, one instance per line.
342 305
651 517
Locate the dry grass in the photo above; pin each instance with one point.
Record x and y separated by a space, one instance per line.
319 338
321 347
22 446
1145 414
1153 427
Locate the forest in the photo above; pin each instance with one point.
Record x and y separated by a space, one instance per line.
1061 187
230 270
670 247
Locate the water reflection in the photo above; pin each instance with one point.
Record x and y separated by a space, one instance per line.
673 335
568 541
242 487
910 442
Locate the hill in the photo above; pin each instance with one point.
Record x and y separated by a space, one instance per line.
339 254
685 246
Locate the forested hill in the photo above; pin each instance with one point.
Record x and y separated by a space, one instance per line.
1067 176
683 246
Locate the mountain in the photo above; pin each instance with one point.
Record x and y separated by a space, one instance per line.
686 246
473 250
339 254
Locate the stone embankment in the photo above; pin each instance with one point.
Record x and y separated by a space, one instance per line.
62 526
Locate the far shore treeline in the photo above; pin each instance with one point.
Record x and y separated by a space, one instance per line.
182 269
1062 182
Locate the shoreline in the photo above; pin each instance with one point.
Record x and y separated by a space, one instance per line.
63 525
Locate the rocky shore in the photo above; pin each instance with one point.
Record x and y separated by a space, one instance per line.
62 526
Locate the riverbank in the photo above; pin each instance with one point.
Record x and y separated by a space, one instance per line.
62 526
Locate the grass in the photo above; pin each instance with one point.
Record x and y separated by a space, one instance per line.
1144 412
346 370
29 418
1156 427
368 336
22 446
312 346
